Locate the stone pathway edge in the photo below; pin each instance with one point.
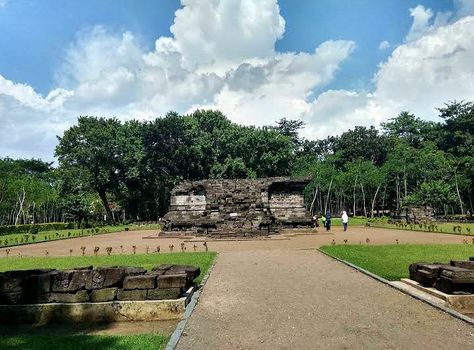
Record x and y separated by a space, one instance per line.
407 292
178 332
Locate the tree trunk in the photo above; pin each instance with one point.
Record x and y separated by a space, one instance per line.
373 201
327 198
103 198
459 195
405 179
314 199
354 196
21 200
397 188
363 199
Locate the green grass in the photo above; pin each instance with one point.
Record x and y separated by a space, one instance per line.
202 259
466 229
15 239
354 221
391 261
81 342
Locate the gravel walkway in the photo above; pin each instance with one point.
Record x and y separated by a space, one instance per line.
301 299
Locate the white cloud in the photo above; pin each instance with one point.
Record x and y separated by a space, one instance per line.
3 3
419 76
384 45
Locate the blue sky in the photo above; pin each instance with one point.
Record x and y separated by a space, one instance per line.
332 64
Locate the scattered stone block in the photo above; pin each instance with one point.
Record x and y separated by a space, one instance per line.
78 279
79 297
135 294
134 271
102 295
60 281
457 274
105 277
162 294
172 281
463 264
139 282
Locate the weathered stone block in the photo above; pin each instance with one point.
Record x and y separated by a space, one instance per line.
162 294
134 271
463 264
11 298
192 272
60 281
457 274
172 281
39 283
79 297
105 277
139 282
78 279
102 295
135 294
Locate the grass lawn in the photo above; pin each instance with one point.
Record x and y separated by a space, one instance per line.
202 259
89 342
44 236
391 261
354 221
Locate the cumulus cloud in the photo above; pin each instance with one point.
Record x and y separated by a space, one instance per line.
419 76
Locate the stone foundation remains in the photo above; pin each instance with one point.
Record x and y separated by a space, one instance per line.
82 291
243 207
455 278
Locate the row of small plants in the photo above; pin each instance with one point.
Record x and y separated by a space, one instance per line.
28 238
35 228
109 250
20 239
463 229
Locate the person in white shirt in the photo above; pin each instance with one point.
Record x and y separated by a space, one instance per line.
345 220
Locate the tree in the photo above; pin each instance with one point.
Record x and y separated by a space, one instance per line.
92 149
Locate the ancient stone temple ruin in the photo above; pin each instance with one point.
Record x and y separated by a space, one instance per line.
244 207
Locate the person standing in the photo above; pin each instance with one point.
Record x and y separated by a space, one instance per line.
328 220
345 220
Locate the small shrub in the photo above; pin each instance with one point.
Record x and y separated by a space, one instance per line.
34 229
205 246
108 250
134 249
121 249
70 252
158 249
171 247
96 250
7 251
83 250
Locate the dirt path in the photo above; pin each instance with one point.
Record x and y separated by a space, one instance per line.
125 241
301 299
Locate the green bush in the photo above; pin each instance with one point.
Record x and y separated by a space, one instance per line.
34 229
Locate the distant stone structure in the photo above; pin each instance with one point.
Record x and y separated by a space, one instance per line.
241 207
414 215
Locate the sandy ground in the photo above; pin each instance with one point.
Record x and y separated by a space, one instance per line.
302 299
125 240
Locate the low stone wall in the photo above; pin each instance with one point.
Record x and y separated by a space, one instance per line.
89 285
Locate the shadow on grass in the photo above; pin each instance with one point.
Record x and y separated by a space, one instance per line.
74 336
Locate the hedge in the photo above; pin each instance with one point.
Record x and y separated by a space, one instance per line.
35 228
